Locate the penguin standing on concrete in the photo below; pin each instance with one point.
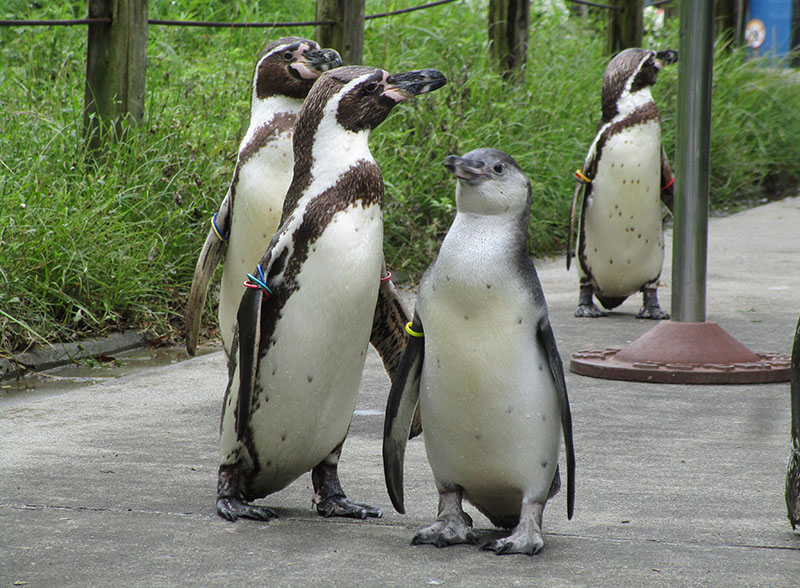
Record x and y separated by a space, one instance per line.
793 467
483 364
251 210
626 176
307 314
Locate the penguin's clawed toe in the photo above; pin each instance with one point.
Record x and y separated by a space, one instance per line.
341 506
446 532
230 509
589 311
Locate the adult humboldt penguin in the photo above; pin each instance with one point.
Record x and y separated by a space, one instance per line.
624 179
251 210
483 364
305 319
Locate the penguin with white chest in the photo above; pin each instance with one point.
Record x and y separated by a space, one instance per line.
305 320
624 179
483 364
251 210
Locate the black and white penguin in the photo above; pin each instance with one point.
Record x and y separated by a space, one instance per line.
251 210
305 320
483 364
793 466
626 176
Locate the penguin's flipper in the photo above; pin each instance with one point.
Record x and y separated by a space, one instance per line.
573 219
667 182
388 335
793 467
210 256
249 324
400 408
545 337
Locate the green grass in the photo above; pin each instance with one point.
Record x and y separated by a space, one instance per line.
91 245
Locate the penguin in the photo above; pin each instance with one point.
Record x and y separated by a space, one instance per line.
483 364
793 467
307 314
251 209
624 179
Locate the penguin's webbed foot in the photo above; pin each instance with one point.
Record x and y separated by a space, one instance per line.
230 508
447 531
526 538
329 497
509 545
342 506
651 309
590 310
586 306
655 314
452 526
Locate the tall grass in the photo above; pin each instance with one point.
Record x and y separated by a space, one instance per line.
93 244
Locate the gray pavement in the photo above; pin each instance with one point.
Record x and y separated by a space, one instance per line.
112 484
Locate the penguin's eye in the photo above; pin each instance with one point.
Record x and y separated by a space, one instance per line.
498 168
288 56
371 88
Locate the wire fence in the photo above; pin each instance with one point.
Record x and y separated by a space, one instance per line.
212 24
244 25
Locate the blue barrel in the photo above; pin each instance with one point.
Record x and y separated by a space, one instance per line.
771 28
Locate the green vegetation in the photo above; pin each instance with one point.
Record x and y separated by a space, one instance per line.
87 246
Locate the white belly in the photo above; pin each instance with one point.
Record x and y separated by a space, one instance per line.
258 203
310 377
489 407
624 245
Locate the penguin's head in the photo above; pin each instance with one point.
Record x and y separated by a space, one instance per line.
359 98
289 67
629 77
490 182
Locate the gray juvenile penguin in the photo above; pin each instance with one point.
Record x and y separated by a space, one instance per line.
305 320
626 175
251 210
483 364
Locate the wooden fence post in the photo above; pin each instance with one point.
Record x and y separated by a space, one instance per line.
115 66
347 34
509 26
625 27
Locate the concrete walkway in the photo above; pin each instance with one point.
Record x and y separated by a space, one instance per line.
113 484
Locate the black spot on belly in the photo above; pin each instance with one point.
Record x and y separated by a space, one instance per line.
466 318
283 436
310 378
519 321
447 278
269 464
488 286
509 410
544 464
477 436
540 367
544 417
610 262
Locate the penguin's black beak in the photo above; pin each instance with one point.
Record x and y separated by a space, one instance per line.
465 169
667 57
321 60
403 86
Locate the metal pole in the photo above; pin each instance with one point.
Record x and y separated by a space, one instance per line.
690 236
